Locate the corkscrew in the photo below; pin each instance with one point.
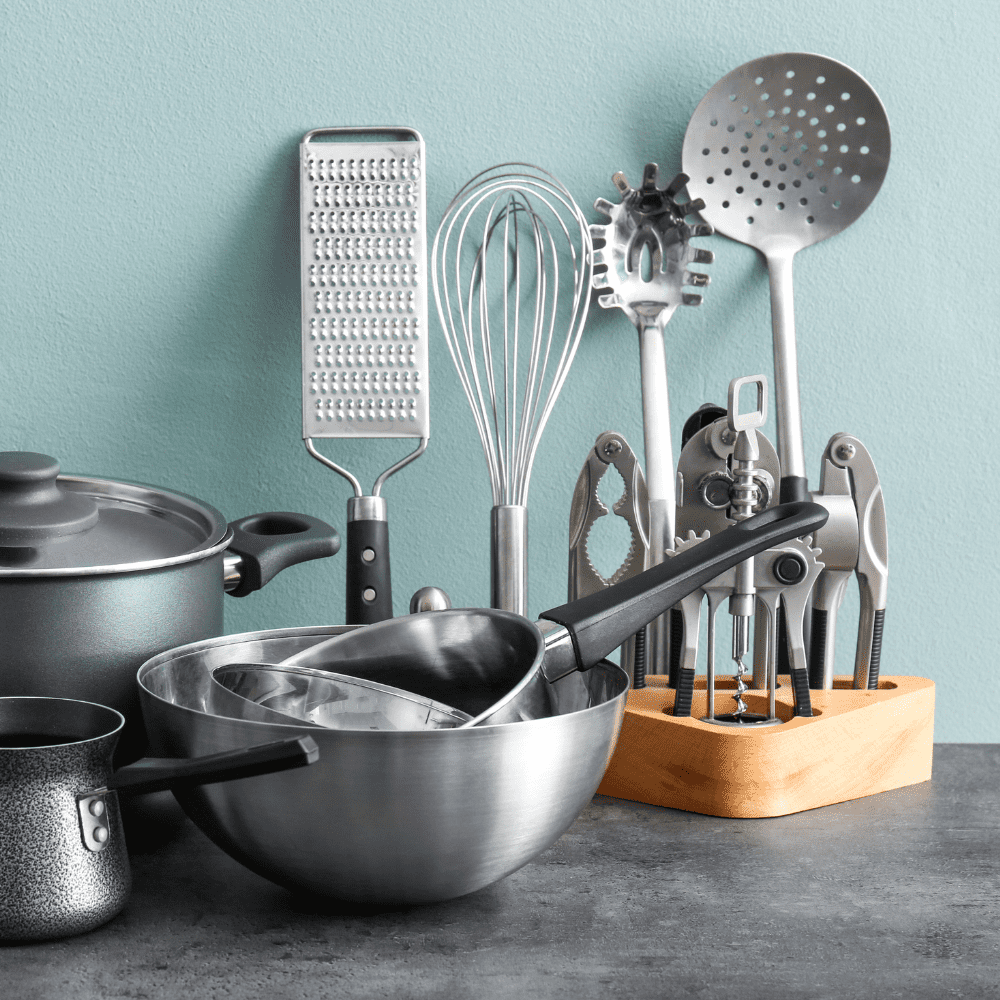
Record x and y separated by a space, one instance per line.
782 577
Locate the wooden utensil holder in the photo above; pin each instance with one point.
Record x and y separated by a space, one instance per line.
857 743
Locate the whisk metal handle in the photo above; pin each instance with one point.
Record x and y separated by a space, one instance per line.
509 558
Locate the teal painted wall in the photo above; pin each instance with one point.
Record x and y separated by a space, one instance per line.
149 276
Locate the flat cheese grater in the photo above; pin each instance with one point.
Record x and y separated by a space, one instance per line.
364 321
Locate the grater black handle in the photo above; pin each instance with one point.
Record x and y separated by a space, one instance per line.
817 647
369 585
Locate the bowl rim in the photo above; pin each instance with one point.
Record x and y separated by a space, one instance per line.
238 638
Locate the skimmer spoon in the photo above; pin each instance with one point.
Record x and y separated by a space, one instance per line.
786 151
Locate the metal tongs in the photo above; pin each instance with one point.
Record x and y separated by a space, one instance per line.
854 540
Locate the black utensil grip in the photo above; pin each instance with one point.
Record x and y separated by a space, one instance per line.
639 661
876 656
800 691
369 575
600 622
817 648
156 774
793 489
676 619
784 660
685 692
271 542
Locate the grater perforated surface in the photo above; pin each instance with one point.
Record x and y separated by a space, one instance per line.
364 289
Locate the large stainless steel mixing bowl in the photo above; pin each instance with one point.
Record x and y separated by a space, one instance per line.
385 817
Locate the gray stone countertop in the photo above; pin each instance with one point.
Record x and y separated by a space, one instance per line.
895 895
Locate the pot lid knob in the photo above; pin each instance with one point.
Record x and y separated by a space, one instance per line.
33 506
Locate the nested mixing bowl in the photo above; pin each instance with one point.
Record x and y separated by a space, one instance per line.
385 817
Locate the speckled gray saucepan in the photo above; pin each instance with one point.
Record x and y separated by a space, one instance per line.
64 863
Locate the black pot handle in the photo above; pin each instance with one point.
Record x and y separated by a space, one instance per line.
156 774
601 622
268 543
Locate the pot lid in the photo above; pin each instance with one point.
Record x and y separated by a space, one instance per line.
70 525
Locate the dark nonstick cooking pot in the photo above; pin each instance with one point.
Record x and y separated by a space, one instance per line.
65 866
96 576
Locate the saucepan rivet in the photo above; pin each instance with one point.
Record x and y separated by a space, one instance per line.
93 814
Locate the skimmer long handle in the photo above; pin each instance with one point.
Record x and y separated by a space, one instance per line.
788 409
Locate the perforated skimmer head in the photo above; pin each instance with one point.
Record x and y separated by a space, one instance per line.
787 150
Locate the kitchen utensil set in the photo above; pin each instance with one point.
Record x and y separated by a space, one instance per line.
458 743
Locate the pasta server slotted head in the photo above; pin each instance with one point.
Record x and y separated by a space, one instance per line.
364 321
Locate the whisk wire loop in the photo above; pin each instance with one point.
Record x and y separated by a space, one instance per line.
522 210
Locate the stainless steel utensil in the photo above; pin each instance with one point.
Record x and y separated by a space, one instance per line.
387 818
854 540
786 151
96 576
266 692
783 577
645 255
364 321
499 667
705 479
610 450
429 599
65 866
511 270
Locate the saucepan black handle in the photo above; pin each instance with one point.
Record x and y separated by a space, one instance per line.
269 543
601 622
155 774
